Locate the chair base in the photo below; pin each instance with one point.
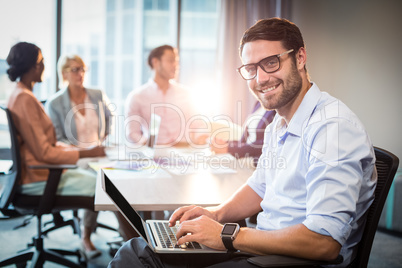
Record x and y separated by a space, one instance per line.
104 226
59 222
38 258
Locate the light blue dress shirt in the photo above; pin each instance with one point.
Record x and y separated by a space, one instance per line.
319 171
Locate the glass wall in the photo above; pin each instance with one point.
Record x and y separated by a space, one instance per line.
114 37
198 35
198 43
34 22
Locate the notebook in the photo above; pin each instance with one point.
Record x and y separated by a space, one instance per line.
157 233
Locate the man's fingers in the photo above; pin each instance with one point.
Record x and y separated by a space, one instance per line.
177 215
190 214
185 228
185 239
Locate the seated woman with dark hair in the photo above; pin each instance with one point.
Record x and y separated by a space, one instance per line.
38 140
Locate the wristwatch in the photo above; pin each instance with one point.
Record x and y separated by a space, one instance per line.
228 234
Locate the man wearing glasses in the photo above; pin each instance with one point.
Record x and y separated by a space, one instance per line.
313 196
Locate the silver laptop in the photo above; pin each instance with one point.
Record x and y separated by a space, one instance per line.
159 236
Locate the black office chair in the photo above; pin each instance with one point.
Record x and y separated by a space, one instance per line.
11 201
58 220
387 165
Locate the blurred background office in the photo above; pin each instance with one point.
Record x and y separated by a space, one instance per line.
352 47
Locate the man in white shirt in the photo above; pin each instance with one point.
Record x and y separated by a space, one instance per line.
314 181
163 96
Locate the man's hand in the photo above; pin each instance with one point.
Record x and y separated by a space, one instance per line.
199 139
189 212
219 146
203 230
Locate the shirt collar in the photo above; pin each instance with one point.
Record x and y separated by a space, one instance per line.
304 111
155 86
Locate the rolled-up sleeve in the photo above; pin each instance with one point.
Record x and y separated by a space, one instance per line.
338 152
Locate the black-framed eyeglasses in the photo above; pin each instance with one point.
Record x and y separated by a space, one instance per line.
269 65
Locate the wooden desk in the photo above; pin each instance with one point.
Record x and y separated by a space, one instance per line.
166 190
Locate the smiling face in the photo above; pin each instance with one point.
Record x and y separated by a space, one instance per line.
280 90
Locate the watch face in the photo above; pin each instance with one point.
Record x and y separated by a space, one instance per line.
229 229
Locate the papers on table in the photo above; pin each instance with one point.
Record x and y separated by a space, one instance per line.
185 164
5 166
199 169
132 165
131 169
179 161
175 166
123 153
150 173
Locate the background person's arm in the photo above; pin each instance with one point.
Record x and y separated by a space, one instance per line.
54 111
134 123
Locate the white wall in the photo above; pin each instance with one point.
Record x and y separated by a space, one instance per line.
354 53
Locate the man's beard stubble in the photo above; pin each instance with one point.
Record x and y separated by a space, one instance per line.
292 86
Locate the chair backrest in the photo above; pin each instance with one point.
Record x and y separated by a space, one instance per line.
9 181
387 165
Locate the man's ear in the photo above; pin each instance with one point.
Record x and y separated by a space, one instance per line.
155 62
301 58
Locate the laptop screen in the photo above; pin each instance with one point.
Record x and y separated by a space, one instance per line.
124 206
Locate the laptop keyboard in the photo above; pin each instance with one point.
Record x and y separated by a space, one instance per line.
167 236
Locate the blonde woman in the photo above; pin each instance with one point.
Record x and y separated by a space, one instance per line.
81 116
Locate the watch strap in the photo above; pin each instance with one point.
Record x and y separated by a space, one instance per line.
228 242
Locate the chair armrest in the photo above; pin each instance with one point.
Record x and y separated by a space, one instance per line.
287 261
49 195
53 167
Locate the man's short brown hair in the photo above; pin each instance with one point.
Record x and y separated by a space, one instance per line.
274 29
157 53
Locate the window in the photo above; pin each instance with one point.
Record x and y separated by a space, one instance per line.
34 22
199 19
115 37
198 43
